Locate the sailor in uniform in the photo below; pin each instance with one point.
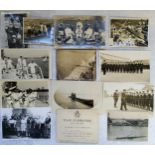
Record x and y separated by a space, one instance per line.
9 62
69 35
19 66
79 30
32 69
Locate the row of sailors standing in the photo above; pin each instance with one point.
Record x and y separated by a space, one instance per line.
140 99
123 67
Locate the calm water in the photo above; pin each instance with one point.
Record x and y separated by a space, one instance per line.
127 131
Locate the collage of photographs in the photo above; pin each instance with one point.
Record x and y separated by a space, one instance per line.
62 65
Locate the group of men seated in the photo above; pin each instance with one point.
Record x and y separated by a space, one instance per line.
79 33
38 30
29 126
24 70
120 67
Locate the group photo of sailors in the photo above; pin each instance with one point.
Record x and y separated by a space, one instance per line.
21 67
80 31
123 67
38 31
14 30
128 32
23 123
15 97
139 99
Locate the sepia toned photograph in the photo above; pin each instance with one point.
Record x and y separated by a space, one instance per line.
38 31
76 65
76 95
127 126
19 64
21 94
129 32
128 97
125 66
82 31
12 30
27 124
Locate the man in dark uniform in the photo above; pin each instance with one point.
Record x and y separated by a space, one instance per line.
123 100
115 96
141 67
144 100
148 101
104 67
152 100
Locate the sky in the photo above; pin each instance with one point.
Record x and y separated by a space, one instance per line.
15 53
132 55
128 115
111 87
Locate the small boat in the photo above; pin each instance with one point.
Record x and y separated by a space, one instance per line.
87 102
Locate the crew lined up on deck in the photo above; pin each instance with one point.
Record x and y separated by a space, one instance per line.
121 67
139 99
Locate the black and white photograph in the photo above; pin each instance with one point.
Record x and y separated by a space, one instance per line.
21 94
12 30
127 126
24 64
76 95
125 66
27 124
128 97
80 31
76 65
38 31
129 32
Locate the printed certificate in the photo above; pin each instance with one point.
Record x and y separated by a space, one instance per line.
77 126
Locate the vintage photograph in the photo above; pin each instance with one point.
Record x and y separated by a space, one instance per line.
21 94
34 123
38 31
76 95
128 97
82 31
125 66
12 30
19 64
129 32
79 65
127 126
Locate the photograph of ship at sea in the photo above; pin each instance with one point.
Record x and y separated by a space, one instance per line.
76 95
127 126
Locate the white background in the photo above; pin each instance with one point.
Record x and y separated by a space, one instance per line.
80 4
